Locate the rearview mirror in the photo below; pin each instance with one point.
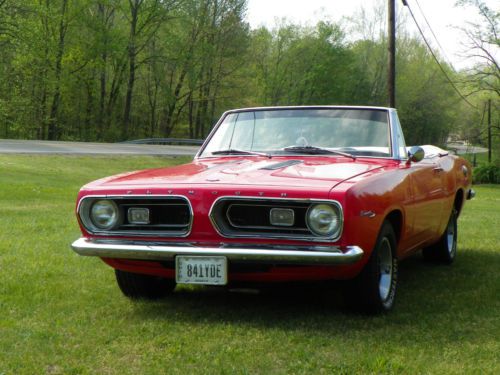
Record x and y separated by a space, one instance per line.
416 154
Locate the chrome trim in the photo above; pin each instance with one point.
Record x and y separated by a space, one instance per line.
143 209
391 114
325 255
337 230
180 234
311 237
471 194
276 209
394 128
385 269
416 154
116 213
369 214
465 170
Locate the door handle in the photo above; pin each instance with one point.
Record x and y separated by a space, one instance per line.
438 169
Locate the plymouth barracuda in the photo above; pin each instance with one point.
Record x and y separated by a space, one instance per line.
281 194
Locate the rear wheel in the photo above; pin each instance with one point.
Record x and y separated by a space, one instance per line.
136 286
445 250
374 289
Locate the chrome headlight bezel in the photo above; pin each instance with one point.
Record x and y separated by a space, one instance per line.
88 213
330 214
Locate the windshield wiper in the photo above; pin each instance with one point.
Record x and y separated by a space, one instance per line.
233 151
313 150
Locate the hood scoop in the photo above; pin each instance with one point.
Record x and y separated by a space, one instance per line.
284 164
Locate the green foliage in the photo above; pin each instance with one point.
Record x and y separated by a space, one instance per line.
113 69
425 99
101 70
487 174
302 65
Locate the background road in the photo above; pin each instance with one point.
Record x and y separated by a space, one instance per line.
8 146
461 149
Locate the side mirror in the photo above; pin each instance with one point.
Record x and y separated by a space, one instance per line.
416 154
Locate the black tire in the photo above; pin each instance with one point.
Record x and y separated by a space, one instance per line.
374 289
136 286
445 250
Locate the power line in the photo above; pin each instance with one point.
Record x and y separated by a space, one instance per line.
434 35
405 2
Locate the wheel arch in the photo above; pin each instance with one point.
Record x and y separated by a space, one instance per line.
395 218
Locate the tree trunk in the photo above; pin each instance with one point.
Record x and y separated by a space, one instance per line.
89 109
132 54
102 74
54 129
190 115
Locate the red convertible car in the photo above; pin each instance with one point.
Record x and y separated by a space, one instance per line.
281 194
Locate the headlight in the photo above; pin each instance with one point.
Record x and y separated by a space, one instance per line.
323 220
104 214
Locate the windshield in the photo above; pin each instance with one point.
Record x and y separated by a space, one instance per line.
358 132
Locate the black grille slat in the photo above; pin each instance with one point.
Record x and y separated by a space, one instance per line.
248 216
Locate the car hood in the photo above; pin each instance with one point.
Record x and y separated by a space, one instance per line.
298 172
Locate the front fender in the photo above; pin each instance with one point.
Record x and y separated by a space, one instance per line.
367 203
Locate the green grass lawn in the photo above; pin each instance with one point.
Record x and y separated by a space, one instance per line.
63 314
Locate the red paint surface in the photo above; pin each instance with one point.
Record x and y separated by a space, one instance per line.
421 195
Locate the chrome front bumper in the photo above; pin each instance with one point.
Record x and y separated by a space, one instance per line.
315 255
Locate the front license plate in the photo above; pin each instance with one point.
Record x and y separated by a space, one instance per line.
201 270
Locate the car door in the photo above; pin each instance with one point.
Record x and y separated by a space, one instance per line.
427 200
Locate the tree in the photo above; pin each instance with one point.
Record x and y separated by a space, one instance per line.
305 65
117 69
145 18
53 126
482 41
427 103
221 53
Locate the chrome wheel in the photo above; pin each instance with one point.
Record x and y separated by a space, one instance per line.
374 289
445 249
385 269
451 236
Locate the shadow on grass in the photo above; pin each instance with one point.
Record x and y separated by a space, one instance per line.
429 295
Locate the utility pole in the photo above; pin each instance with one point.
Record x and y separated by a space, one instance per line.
391 76
489 130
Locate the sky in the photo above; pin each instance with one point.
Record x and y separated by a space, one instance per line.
443 16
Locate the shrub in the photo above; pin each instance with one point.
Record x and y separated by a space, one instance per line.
487 174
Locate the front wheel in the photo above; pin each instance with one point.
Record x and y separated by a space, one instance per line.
135 285
374 289
445 250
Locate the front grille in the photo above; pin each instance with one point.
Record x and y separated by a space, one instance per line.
168 216
251 217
